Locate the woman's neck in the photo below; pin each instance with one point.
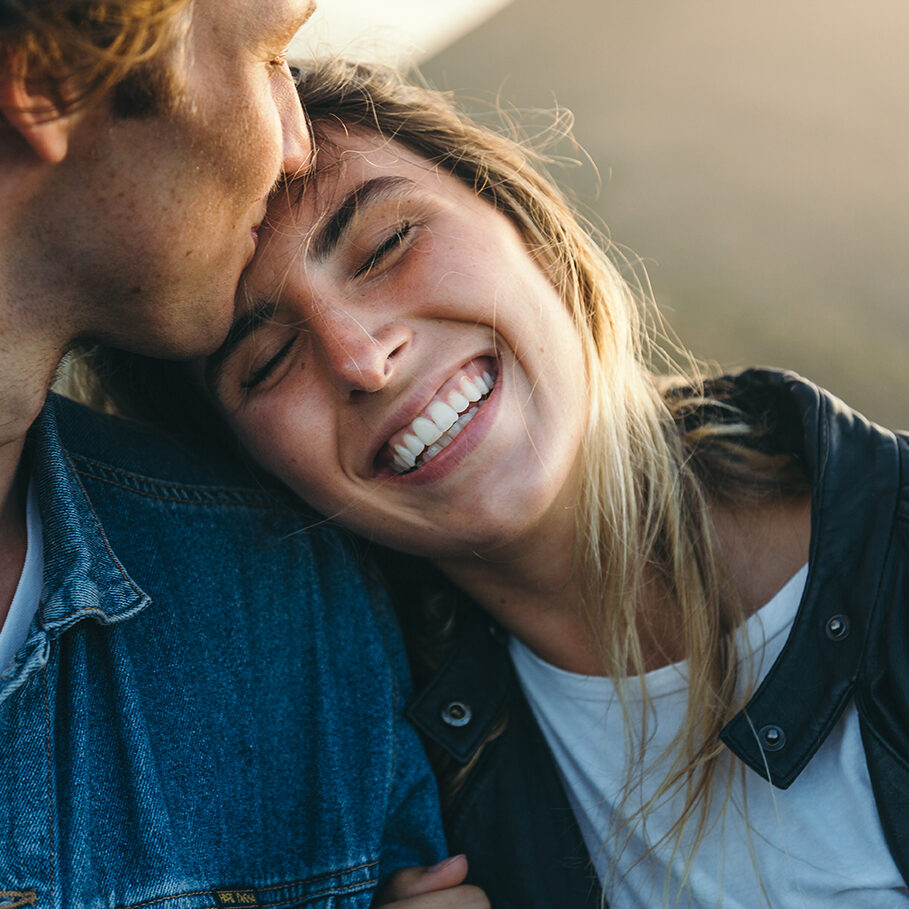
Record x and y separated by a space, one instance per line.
532 588
763 546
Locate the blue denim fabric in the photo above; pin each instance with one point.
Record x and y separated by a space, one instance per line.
208 709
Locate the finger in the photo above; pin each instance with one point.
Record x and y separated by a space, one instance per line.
419 879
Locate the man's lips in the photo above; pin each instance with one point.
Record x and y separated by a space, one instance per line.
439 423
256 227
254 236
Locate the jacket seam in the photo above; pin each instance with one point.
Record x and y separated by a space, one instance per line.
282 886
20 898
50 783
477 779
884 573
123 573
881 740
194 494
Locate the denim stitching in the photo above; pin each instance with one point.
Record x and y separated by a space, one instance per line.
306 898
320 893
50 779
20 897
164 899
171 492
180 501
259 890
101 532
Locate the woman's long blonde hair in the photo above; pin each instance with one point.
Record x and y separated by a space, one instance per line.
658 450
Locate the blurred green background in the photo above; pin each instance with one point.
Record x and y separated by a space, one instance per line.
753 155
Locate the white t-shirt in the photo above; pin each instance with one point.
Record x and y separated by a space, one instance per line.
817 844
28 592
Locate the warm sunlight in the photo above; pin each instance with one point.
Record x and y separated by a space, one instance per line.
394 31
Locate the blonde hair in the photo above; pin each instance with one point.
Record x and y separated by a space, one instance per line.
82 50
658 449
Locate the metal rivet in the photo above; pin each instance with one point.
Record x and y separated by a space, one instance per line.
497 632
456 713
772 737
837 627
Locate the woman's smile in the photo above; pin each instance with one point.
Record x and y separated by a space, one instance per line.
441 422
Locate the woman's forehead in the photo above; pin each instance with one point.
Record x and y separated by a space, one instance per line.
345 158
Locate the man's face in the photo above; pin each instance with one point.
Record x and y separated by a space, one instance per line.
165 219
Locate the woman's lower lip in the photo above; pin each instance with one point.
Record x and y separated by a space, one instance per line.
448 459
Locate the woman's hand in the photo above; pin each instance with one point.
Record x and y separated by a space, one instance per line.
435 887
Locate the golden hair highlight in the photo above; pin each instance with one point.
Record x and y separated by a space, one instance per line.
80 51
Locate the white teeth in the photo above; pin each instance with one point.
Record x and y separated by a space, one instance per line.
470 390
413 444
442 415
442 424
457 402
425 430
406 456
431 452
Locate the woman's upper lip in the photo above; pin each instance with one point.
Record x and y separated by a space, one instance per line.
414 404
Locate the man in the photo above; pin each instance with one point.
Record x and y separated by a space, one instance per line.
199 699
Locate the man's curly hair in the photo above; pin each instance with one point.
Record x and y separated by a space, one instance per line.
80 50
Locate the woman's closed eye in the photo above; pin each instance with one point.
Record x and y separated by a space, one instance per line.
259 373
384 253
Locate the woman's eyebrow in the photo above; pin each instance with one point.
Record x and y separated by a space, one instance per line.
365 193
239 331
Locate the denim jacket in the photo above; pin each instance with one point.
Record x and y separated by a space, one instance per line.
850 639
207 711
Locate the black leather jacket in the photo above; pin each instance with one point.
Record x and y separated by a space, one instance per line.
850 639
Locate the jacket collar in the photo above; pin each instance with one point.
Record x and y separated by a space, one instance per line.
83 579
464 701
853 467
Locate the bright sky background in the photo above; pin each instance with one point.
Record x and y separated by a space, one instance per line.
393 31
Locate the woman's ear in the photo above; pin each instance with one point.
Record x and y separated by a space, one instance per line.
35 113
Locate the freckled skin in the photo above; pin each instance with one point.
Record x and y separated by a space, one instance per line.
153 215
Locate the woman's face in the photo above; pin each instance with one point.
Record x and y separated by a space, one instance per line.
401 362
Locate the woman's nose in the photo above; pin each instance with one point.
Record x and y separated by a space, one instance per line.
361 357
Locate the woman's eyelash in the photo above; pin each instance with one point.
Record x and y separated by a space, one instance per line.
394 239
386 246
264 371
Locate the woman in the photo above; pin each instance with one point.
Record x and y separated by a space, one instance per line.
694 587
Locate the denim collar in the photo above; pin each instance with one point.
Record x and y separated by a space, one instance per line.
83 578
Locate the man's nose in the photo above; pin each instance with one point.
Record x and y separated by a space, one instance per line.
361 358
297 142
